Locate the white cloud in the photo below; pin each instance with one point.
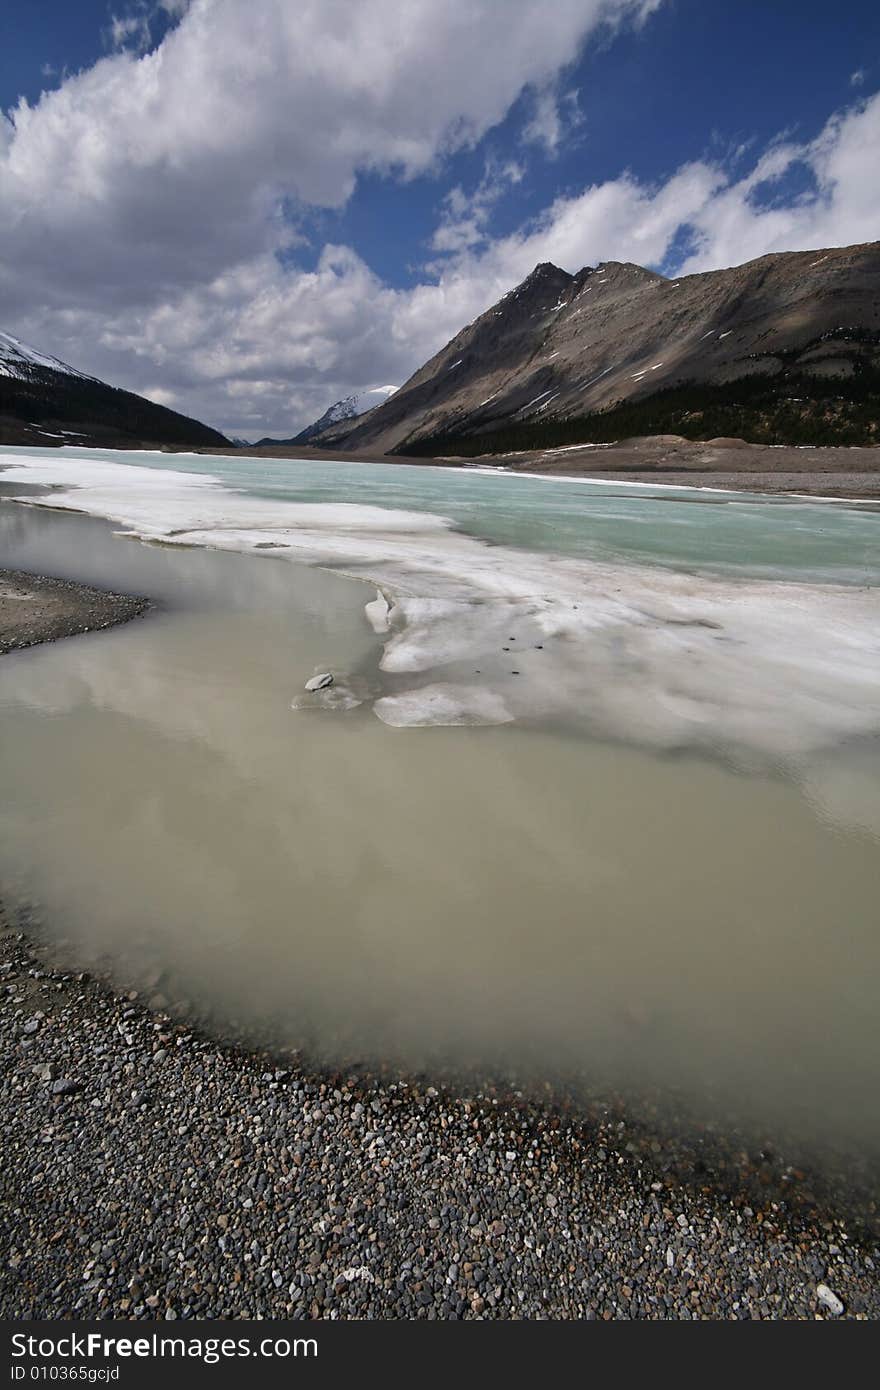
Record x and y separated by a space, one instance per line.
545 127
139 202
857 78
555 116
161 396
151 172
844 208
132 29
465 217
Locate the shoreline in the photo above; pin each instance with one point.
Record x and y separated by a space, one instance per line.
837 473
363 1190
160 1172
833 473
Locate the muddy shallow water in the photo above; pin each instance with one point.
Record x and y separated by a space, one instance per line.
525 896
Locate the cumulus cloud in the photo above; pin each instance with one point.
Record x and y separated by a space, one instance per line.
144 203
158 168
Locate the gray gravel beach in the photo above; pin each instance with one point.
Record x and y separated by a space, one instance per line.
153 1172
37 608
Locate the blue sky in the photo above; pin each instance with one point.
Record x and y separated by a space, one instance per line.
248 208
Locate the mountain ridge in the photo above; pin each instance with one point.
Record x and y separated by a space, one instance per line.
601 344
46 402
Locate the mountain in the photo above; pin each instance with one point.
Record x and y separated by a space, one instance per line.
783 349
44 401
336 415
346 409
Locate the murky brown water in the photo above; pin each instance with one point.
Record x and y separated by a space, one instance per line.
508 897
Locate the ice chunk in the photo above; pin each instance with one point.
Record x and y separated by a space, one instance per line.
442 704
377 612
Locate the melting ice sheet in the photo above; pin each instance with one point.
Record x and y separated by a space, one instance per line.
477 632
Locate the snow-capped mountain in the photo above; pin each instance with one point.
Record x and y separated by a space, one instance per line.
349 408
43 401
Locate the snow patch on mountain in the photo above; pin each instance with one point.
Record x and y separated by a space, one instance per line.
19 360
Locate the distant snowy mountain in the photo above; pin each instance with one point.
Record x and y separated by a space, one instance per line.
43 401
349 408
346 409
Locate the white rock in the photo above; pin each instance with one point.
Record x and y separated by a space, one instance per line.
829 1300
320 682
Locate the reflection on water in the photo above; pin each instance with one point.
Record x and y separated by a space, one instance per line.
501 896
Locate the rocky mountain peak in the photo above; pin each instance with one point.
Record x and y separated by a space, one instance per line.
561 347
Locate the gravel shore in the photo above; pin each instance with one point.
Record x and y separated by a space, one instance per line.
155 1171
36 608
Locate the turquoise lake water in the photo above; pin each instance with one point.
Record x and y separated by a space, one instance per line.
678 528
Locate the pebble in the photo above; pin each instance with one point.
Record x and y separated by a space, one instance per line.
829 1300
65 1087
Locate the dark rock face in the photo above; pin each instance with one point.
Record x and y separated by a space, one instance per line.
561 347
44 402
